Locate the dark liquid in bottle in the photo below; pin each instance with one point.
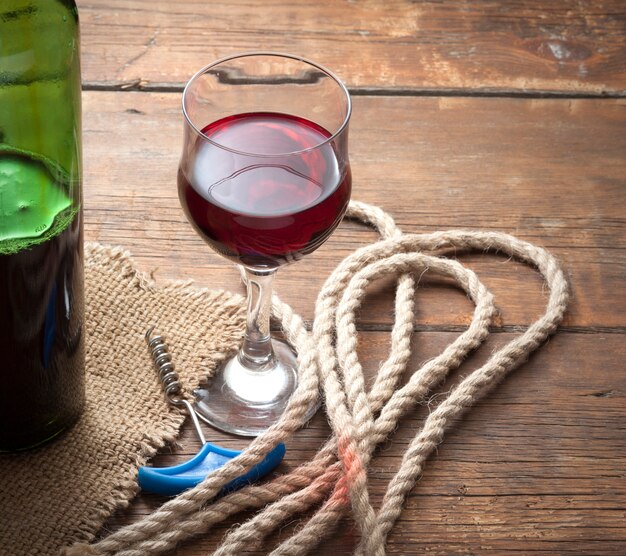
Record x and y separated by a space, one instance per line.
41 305
264 211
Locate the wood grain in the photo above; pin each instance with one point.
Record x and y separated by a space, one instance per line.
538 465
548 171
525 46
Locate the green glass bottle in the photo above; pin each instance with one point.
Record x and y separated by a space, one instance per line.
41 232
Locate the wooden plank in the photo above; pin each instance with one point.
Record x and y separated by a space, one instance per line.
549 171
537 466
521 45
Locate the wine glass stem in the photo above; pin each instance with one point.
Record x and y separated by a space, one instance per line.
256 353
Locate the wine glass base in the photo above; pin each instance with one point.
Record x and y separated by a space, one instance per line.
247 402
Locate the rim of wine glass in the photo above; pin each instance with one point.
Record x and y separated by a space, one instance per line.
329 73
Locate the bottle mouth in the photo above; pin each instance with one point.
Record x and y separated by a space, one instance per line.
315 72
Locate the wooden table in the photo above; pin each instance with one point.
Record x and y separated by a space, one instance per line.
478 115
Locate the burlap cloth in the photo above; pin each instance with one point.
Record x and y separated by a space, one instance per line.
63 492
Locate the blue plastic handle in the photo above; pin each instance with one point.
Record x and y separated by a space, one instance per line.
173 480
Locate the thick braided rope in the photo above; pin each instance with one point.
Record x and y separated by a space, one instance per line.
320 473
353 372
481 380
405 398
251 497
346 399
322 523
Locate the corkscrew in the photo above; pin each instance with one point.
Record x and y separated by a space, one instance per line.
175 479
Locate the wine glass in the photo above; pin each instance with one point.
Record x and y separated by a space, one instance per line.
264 179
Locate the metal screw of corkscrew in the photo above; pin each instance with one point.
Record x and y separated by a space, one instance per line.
169 378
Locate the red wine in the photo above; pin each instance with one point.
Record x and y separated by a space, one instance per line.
41 306
270 208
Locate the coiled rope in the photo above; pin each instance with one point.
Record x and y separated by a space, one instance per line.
336 479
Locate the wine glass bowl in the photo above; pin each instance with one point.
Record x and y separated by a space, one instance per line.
264 176
264 179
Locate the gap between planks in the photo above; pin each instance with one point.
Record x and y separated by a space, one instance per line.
143 86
